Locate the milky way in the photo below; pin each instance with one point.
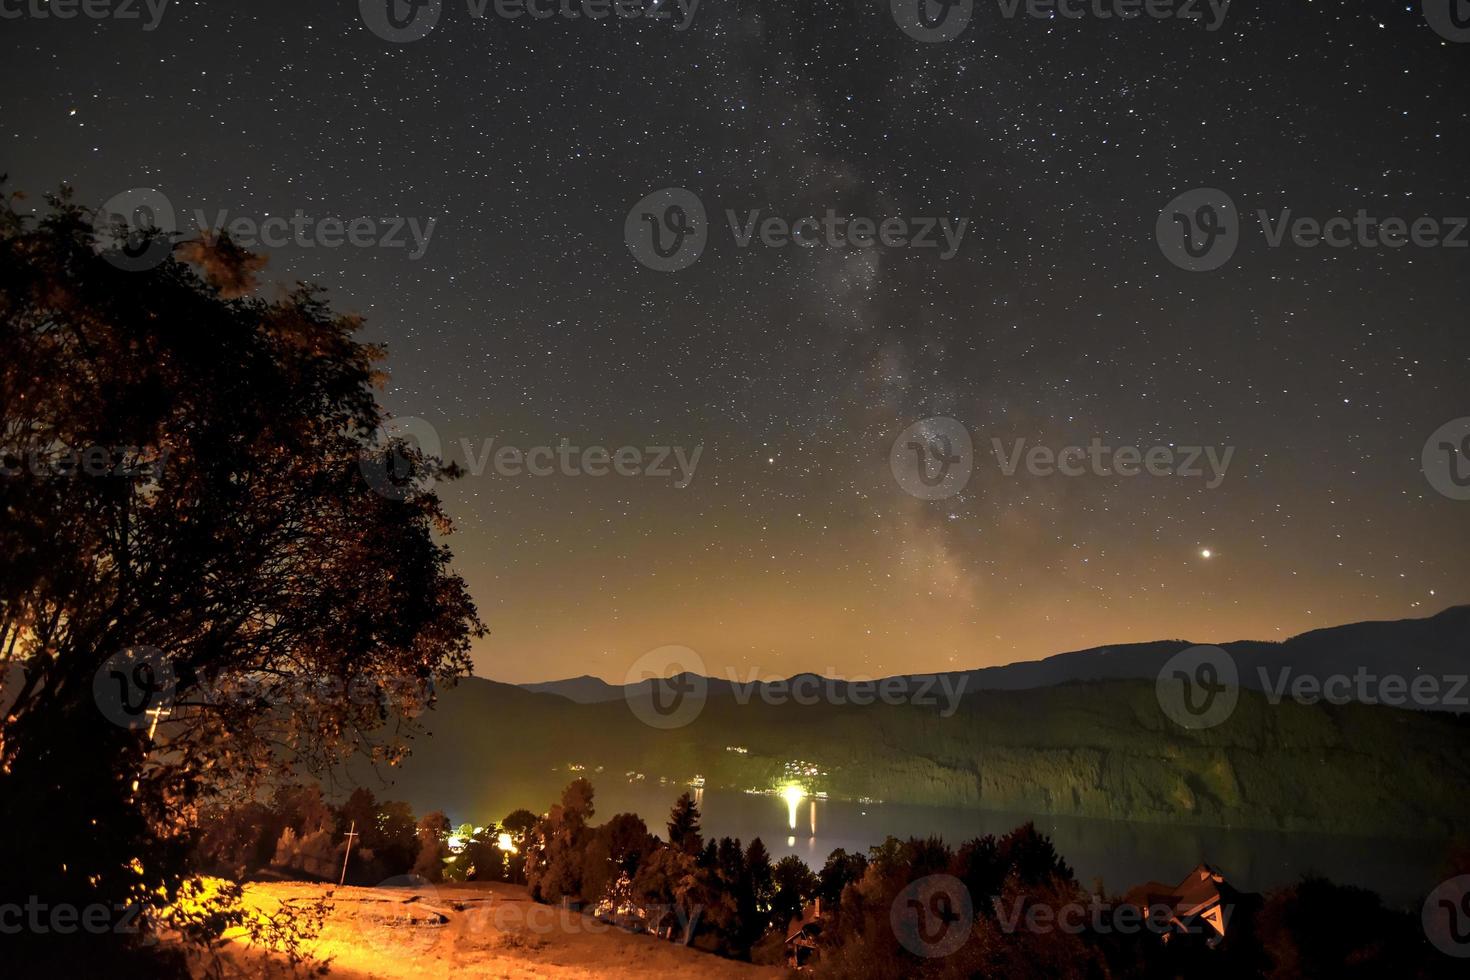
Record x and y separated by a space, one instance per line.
1058 320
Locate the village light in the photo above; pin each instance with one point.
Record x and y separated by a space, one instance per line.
793 795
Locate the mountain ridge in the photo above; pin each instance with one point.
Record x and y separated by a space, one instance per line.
1442 641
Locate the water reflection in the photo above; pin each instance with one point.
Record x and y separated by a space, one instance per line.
1121 854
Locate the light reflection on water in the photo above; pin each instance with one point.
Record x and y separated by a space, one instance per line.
1121 854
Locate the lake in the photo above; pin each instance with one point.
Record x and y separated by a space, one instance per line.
1121 854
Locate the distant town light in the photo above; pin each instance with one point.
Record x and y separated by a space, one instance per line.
793 795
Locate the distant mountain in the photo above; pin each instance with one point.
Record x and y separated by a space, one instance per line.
1100 749
585 689
1438 645
1078 734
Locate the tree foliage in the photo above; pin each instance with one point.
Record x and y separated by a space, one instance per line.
193 472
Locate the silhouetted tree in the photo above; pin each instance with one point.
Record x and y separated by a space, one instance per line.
229 505
684 826
840 870
554 847
795 886
762 876
433 828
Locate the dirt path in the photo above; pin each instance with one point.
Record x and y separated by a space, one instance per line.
475 931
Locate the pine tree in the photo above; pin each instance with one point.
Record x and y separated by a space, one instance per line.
684 833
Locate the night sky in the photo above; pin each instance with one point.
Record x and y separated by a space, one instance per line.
1059 320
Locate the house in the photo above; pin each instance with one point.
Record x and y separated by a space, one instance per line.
801 936
1201 904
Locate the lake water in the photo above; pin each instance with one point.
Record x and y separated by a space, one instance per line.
1121 854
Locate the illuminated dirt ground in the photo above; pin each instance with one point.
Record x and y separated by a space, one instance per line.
489 930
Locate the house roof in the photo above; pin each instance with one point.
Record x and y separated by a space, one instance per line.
810 915
1201 894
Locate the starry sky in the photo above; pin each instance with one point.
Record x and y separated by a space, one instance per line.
793 548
